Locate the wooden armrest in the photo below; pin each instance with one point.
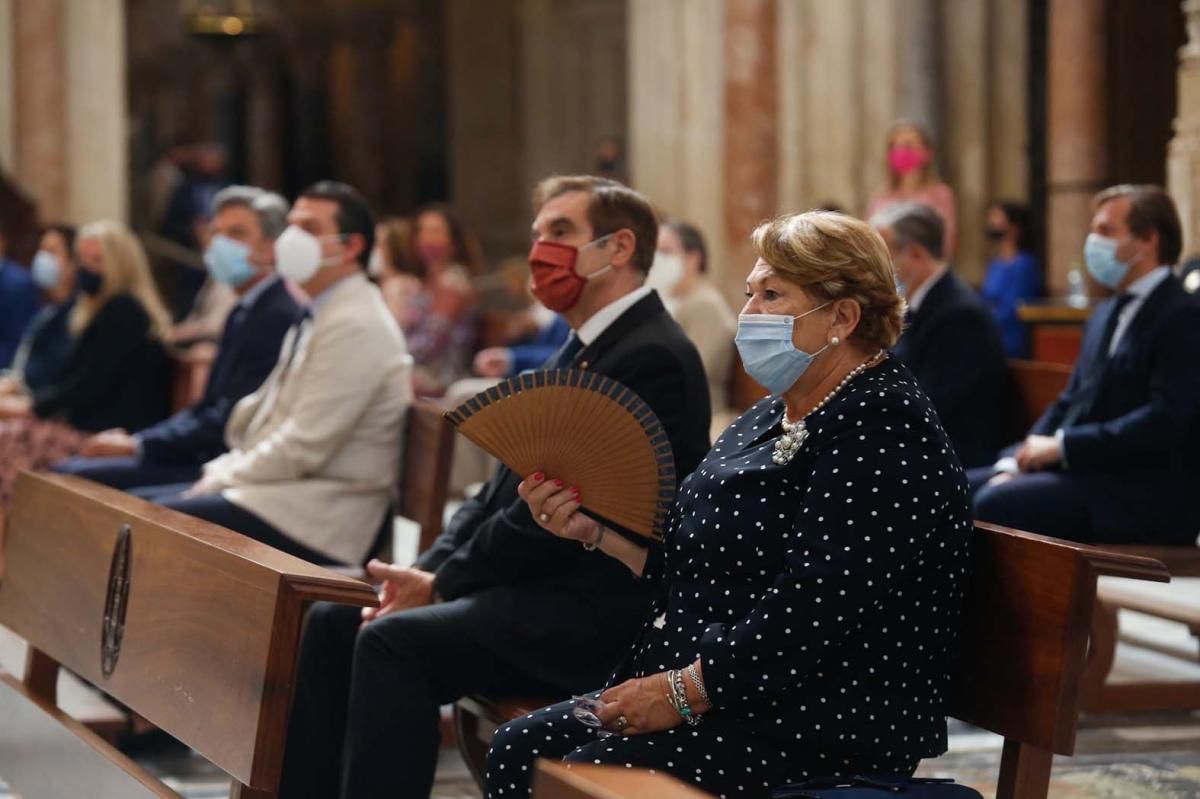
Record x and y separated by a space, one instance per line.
586 781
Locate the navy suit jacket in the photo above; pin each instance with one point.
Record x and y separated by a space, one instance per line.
1141 406
249 348
19 302
954 347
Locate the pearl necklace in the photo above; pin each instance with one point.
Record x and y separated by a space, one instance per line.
796 433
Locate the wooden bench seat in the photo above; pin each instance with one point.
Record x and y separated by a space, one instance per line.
1024 645
193 627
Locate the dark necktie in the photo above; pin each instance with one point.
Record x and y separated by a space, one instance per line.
566 354
1089 384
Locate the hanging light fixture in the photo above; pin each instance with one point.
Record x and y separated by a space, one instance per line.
220 18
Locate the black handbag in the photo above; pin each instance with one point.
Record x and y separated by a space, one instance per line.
876 788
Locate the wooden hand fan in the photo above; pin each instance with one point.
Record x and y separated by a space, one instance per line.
584 429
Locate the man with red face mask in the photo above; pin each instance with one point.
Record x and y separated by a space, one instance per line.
498 605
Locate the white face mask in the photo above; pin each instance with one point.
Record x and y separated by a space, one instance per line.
298 254
666 272
375 263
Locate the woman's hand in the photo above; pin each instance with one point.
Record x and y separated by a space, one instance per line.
15 407
555 508
643 705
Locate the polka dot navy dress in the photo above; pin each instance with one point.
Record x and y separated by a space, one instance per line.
822 597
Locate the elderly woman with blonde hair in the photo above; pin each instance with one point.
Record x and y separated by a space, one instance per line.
118 374
813 567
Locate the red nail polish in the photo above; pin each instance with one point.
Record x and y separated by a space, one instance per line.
538 476
558 483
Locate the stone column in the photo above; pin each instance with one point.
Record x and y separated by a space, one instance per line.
1183 159
751 130
97 152
8 119
1077 131
963 146
676 113
41 124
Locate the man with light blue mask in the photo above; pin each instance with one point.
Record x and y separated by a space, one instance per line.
246 222
1117 457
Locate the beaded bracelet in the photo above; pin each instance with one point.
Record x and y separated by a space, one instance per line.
678 698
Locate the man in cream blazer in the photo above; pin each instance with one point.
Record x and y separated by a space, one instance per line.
314 451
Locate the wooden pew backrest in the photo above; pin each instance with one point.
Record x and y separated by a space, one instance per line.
1024 643
1035 385
425 469
192 626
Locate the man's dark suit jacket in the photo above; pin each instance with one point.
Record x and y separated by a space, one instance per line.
545 604
1136 413
954 348
248 351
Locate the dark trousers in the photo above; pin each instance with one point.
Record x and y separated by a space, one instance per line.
127 473
1089 508
367 704
218 510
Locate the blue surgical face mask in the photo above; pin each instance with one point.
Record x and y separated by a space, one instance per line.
1100 255
45 270
764 342
228 261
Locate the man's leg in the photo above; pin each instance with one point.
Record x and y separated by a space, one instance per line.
218 510
406 666
1048 503
312 764
127 473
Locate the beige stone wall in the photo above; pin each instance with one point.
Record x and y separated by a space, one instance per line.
62 105
1183 163
843 72
8 129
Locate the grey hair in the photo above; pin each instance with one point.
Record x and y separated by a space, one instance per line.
913 223
269 207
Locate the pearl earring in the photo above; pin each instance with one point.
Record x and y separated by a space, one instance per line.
835 341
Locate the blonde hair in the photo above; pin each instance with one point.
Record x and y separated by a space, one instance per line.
126 271
834 256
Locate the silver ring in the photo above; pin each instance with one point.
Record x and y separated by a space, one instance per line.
545 517
622 723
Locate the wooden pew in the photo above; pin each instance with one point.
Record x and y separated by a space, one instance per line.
193 627
1024 645
425 469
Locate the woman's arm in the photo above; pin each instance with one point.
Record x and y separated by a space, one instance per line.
555 507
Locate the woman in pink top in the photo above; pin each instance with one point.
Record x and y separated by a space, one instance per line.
912 177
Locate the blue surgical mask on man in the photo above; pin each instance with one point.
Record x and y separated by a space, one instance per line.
228 261
764 342
1100 255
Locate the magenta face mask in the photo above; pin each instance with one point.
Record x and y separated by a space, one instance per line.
906 159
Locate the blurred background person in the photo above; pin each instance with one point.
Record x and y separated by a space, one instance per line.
186 218
680 274
18 303
912 177
950 340
439 319
241 257
393 266
42 355
1013 276
118 374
